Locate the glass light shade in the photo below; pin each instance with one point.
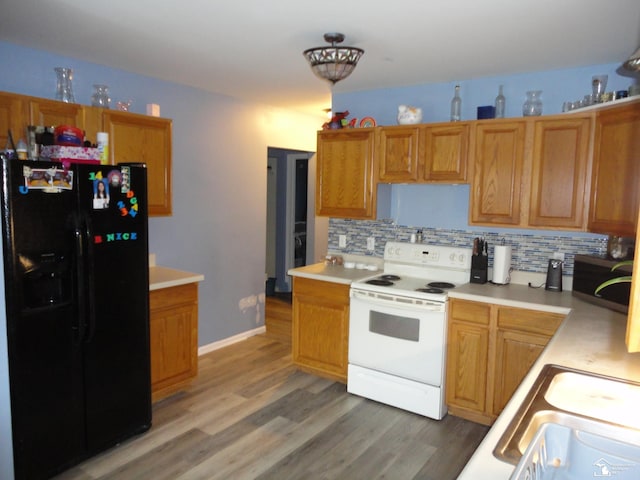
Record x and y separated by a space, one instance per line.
333 63
633 63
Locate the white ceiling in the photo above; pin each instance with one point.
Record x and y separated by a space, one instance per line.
252 49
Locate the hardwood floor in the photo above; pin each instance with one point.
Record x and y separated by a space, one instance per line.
251 415
277 312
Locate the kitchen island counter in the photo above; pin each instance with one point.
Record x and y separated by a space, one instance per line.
591 338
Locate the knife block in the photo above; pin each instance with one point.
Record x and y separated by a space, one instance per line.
479 268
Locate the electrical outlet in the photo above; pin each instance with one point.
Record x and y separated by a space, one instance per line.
558 256
371 243
342 241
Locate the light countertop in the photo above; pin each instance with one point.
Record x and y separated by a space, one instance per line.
332 273
163 277
591 338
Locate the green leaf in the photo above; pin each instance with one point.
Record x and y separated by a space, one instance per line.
613 281
621 264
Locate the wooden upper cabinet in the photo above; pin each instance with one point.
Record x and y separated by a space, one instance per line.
615 187
145 139
559 173
399 153
346 177
446 152
424 153
498 168
13 116
132 137
52 112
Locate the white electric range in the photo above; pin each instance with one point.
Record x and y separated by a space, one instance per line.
397 326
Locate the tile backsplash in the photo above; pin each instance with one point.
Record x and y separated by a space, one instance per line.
531 252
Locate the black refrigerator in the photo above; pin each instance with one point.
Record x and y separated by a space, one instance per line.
76 268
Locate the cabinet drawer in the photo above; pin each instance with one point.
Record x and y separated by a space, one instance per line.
318 288
473 312
533 321
172 296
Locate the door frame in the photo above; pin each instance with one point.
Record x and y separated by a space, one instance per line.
290 211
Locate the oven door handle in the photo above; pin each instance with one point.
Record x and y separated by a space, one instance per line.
394 301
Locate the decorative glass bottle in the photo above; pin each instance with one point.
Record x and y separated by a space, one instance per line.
500 103
533 104
100 97
456 105
64 90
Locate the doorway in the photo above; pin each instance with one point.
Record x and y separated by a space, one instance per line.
288 206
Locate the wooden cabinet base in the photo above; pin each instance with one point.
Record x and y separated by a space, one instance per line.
471 415
174 338
320 332
490 349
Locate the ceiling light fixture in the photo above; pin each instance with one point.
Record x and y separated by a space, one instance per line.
633 63
333 63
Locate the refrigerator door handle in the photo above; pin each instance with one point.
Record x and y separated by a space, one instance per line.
80 288
89 279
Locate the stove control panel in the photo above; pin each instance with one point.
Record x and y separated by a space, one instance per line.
422 254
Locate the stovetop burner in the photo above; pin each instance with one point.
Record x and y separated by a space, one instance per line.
380 282
430 290
440 285
390 277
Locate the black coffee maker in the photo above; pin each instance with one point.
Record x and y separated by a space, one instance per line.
554 275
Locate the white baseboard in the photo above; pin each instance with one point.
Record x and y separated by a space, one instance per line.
231 340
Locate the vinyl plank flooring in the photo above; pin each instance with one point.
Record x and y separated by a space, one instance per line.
251 415
278 316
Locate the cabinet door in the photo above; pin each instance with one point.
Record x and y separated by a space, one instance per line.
615 188
515 354
173 333
467 355
559 173
398 153
52 113
345 174
497 178
446 153
13 116
140 138
320 331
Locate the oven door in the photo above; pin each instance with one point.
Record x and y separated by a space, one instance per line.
400 339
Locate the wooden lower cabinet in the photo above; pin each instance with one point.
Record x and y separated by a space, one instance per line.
490 349
320 331
173 338
467 366
515 354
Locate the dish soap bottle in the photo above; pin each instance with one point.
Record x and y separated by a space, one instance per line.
456 105
500 103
